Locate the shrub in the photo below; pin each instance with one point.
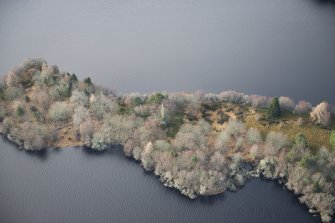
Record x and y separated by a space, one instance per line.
324 156
162 145
12 93
317 187
321 114
8 124
156 98
222 141
61 91
274 109
223 117
59 111
293 156
37 114
235 128
133 100
195 158
44 78
26 98
33 63
276 141
98 142
79 98
142 111
254 136
301 141
19 111
308 161
239 143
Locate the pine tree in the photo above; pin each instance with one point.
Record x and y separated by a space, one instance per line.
274 109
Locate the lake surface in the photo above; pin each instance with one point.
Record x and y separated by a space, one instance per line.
75 185
268 47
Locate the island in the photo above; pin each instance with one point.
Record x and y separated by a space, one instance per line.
199 143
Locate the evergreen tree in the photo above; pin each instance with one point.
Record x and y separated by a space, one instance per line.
74 78
274 109
89 87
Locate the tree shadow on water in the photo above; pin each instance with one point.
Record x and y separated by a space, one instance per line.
110 150
324 2
40 154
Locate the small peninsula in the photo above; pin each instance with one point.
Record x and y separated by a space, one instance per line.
199 143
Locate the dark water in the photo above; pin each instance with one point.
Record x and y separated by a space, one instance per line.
269 47
71 185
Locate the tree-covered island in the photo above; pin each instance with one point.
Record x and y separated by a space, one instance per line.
199 143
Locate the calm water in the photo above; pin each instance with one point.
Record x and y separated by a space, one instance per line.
270 47
71 185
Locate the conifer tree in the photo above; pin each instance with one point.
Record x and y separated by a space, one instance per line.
274 109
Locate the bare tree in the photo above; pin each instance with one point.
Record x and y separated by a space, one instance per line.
321 114
147 157
286 103
86 131
303 107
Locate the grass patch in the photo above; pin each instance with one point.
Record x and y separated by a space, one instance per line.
316 136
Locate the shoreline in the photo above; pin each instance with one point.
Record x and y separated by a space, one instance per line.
253 176
197 143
